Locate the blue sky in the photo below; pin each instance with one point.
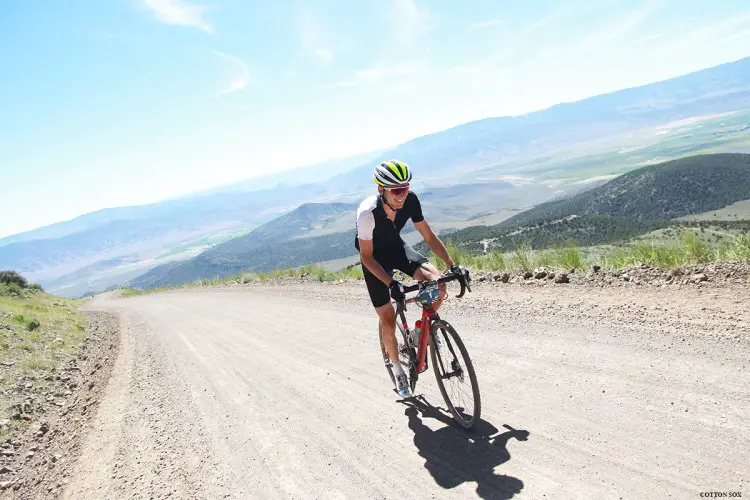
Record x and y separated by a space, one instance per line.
118 102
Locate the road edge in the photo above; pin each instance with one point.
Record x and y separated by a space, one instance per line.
46 452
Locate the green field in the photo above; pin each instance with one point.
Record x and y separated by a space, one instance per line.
727 132
735 211
198 246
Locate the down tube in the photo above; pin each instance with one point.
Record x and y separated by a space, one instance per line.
426 326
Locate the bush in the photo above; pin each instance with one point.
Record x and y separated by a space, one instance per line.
736 250
569 256
10 277
523 257
694 250
11 290
35 287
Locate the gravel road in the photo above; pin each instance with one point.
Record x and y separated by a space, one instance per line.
279 391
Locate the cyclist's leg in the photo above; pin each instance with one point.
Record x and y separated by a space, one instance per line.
387 317
380 297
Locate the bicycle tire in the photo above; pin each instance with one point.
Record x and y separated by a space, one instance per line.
469 367
411 374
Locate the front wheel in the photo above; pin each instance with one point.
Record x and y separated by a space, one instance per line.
455 374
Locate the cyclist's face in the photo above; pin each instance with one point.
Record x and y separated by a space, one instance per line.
396 197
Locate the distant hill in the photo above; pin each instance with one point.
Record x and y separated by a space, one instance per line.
295 224
312 174
629 205
241 199
504 140
264 258
134 229
585 230
664 191
278 243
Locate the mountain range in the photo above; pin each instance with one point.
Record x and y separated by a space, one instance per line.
502 166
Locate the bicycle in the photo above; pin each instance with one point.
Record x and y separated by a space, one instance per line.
413 351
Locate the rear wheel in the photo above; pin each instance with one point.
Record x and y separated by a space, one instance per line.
455 374
406 355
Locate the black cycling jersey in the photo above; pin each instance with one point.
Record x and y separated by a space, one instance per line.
389 250
373 224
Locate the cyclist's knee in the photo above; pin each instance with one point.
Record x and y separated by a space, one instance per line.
387 314
426 271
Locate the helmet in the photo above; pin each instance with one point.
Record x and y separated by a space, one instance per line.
392 173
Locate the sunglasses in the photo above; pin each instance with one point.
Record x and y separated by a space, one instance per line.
397 190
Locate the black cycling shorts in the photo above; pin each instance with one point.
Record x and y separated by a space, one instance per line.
405 259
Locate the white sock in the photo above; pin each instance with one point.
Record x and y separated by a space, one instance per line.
397 369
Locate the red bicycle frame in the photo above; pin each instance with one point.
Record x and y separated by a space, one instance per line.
427 316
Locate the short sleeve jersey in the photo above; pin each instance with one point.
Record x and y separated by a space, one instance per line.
373 224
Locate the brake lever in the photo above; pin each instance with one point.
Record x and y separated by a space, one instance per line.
463 288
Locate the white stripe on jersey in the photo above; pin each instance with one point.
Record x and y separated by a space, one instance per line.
365 219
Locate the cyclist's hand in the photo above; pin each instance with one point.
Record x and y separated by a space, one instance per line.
397 291
463 277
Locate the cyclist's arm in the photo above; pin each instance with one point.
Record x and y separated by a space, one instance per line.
365 255
433 242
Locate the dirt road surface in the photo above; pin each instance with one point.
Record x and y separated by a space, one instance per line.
279 391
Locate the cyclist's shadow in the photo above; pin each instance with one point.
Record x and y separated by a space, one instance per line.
454 456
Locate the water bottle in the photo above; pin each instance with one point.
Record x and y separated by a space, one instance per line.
417 331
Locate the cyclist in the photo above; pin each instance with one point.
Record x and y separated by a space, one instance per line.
380 219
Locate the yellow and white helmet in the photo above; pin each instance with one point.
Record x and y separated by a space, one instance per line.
392 173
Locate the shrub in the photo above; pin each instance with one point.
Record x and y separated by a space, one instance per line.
523 257
10 277
694 250
11 290
569 256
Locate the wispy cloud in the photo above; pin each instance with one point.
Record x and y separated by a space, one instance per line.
734 36
325 56
727 30
619 28
179 13
314 38
486 24
492 65
377 74
403 55
496 65
411 23
238 71
647 38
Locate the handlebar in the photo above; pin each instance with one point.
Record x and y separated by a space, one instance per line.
464 279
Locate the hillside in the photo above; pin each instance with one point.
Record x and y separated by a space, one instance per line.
267 257
665 191
295 224
584 230
627 206
277 243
